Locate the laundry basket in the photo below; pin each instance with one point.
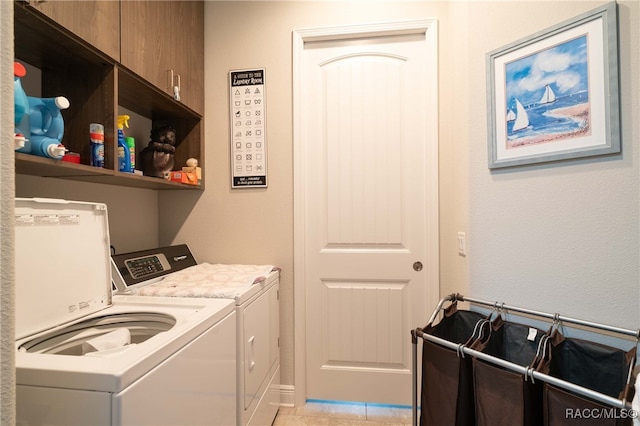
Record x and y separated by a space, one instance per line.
447 378
591 365
503 397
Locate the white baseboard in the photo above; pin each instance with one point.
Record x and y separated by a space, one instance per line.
287 395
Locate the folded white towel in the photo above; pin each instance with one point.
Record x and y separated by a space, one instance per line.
208 280
115 339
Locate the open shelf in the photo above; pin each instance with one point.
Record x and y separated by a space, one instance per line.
28 164
96 86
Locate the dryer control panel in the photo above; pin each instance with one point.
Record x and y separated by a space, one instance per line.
135 269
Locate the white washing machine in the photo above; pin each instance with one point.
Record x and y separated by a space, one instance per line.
85 357
254 289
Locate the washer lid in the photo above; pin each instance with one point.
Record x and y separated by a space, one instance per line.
62 262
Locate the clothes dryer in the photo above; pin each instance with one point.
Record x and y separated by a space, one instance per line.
84 356
254 289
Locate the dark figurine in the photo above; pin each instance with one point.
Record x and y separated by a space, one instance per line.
157 157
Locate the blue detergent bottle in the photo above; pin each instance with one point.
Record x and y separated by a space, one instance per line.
46 126
124 158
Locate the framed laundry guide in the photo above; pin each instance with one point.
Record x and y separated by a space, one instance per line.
248 124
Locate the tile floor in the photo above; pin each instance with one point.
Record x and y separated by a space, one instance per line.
343 414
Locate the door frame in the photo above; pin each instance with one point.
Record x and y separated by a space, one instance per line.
428 28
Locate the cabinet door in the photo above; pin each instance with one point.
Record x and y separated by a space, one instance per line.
257 347
192 55
161 39
96 22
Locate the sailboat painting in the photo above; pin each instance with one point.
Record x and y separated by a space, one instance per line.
547 95
554 95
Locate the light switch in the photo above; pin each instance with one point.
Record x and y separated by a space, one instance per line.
462 244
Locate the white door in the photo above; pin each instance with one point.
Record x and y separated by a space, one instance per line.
366 205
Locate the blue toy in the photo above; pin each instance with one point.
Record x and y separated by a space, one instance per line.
47 126
38 120
21 106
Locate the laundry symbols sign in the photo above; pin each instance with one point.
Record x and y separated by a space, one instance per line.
248 124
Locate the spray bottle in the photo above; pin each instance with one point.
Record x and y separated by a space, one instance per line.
124 158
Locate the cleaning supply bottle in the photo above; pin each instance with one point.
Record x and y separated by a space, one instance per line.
124 158
96 140
131 144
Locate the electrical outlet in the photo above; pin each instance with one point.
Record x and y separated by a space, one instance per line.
462 244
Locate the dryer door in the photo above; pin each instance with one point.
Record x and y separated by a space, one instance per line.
257 346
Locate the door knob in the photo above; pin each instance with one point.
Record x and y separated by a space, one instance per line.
417 266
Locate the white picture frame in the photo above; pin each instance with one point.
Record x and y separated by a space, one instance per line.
555 94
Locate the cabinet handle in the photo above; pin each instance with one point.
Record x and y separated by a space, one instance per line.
176 87
170 81
252 362
174 83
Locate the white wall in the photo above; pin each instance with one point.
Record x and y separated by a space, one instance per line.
7 294
561 237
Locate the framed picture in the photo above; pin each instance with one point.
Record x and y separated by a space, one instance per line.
554 95
247 109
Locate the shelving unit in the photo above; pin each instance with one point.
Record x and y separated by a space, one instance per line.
97 85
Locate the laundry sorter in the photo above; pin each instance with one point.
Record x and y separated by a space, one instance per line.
482 368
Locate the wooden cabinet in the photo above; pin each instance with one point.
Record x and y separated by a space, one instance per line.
165 46
97 87
96 22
